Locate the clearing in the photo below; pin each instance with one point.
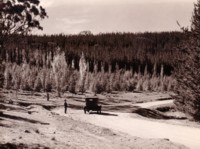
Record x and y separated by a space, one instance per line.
129 120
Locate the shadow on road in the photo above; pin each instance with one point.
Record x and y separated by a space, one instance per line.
21 119
150 113
21 145
104 113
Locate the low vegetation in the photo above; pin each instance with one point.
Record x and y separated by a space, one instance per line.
62 77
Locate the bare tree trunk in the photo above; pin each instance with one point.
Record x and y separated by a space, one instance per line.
16 94
47 96
59 92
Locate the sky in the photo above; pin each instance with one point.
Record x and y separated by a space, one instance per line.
103 16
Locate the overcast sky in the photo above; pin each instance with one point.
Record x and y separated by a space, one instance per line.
74 16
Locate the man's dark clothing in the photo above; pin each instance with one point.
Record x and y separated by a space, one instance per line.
65 105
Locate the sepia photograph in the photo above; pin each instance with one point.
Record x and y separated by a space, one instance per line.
99 74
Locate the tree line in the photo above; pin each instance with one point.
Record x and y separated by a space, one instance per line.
61 78
127 50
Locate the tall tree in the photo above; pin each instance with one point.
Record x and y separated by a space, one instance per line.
20 16
187 70
59 66
83 70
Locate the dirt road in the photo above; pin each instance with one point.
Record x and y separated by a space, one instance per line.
37 122
144 128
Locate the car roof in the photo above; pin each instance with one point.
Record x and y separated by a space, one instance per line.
91 98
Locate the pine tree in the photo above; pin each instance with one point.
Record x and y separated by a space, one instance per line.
195 27
7 77
16 77
188 69
59 66
72 83
154 70
82 70
38 85
109 83
162 78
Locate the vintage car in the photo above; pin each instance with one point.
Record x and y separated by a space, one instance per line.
92 104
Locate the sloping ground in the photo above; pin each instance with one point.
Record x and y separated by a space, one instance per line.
37 127
33 121
151 113
46 129
144 128
163 109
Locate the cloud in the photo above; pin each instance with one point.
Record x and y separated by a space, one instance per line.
73 16
48 3
74 21
56 3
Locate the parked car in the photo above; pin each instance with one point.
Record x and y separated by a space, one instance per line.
92 104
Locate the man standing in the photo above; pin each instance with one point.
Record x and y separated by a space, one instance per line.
65 105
